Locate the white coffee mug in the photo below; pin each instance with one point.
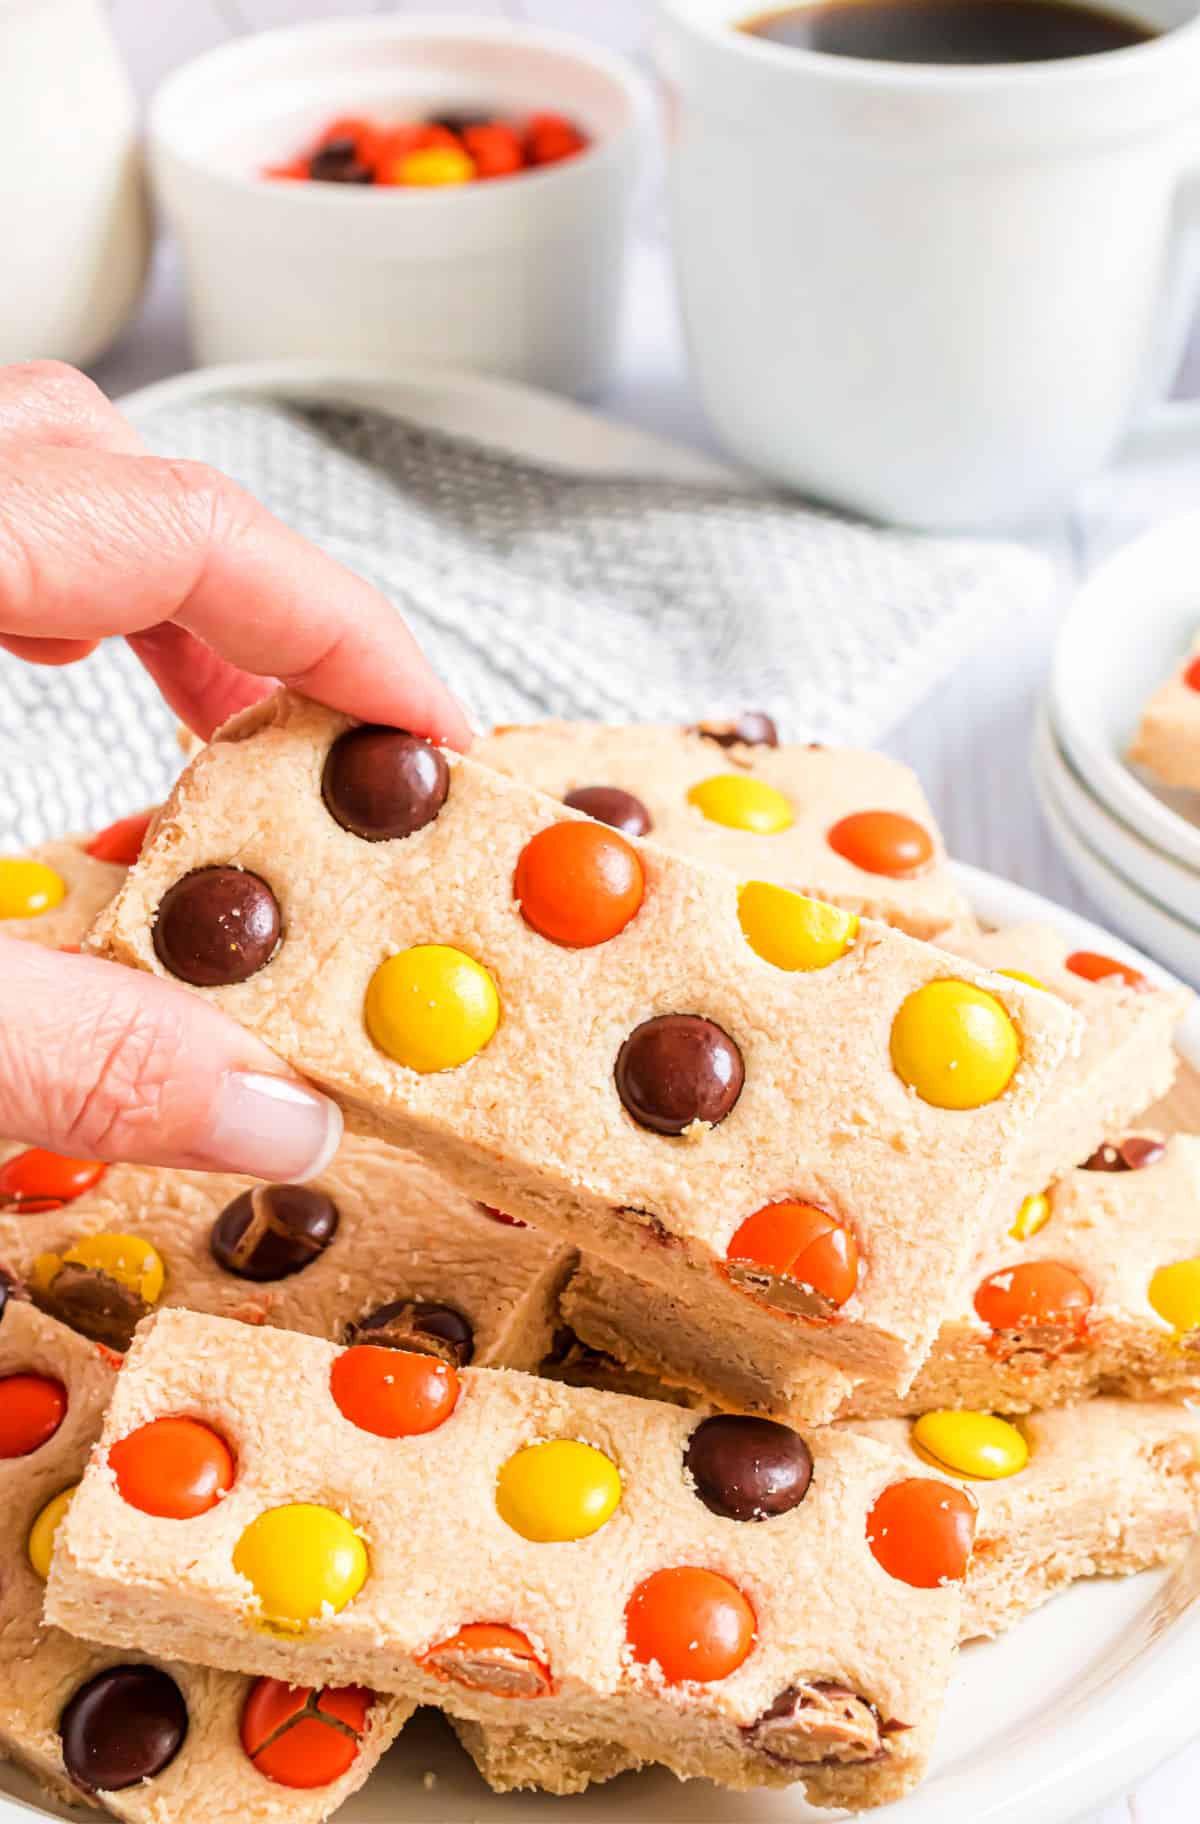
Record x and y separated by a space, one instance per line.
936 295
73 209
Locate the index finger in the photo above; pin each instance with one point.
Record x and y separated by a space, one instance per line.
95 543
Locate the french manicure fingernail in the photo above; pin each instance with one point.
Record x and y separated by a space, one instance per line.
271 1127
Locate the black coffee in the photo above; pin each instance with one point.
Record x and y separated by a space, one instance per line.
951 31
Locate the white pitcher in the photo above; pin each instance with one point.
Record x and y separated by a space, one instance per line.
74 222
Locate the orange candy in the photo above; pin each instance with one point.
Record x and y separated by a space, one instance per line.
524 1674
1038 1292
121 841
921 1531
302 1738
495 147
36 1181
173 1468
802 1242
32 1407
883 842
694 1624
1096 968
550 137
1191 676
391 1392
579 883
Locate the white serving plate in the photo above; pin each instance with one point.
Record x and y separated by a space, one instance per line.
1156 873
1080 1700
1127 628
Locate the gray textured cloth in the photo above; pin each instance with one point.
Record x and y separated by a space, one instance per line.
537 591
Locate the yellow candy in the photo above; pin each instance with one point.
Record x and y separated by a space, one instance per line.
40 1544
28 888
1032 1216
741 803
431 1007
954 1045
971 1444
1175 1294
128 1259
1019 975
437 165
555 1491
792 931
303 1561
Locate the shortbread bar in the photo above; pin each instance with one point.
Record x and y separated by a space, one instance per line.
603 1568
378 1244
690 1078
1104 1488
849 827
1127 1059
1167 741
150 1740
740 1357
1095 1490
518 1760
52 893
1096 1289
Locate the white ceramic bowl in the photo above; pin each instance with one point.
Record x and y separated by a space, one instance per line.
518 276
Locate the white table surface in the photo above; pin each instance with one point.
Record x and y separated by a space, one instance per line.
968 741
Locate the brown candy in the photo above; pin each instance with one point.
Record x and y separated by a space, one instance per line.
383 784
122 1727
818 1722
748 1468
1131 1155
273 1231
753 728
337 162
678 1068
608 804
426 1329
87 1300
216 926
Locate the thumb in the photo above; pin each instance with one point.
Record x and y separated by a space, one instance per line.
102 1062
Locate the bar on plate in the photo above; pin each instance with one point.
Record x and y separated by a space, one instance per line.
149 1739
734 1601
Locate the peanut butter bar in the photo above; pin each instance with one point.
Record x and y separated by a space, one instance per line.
739 1357
1167 741
1100 1489
518 1760
1127 1058
850 827
430 1530
379 1244
695 1080
1095 1289
51 894
151 1740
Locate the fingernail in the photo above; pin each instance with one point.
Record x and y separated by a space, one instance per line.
271 1127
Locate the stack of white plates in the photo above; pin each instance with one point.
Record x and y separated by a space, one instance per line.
1134 845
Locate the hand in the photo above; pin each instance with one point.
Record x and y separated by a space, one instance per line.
220 601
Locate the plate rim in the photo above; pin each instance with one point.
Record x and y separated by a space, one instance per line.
1164 880
1115 783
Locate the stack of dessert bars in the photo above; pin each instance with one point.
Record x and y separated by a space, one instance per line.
743 1279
